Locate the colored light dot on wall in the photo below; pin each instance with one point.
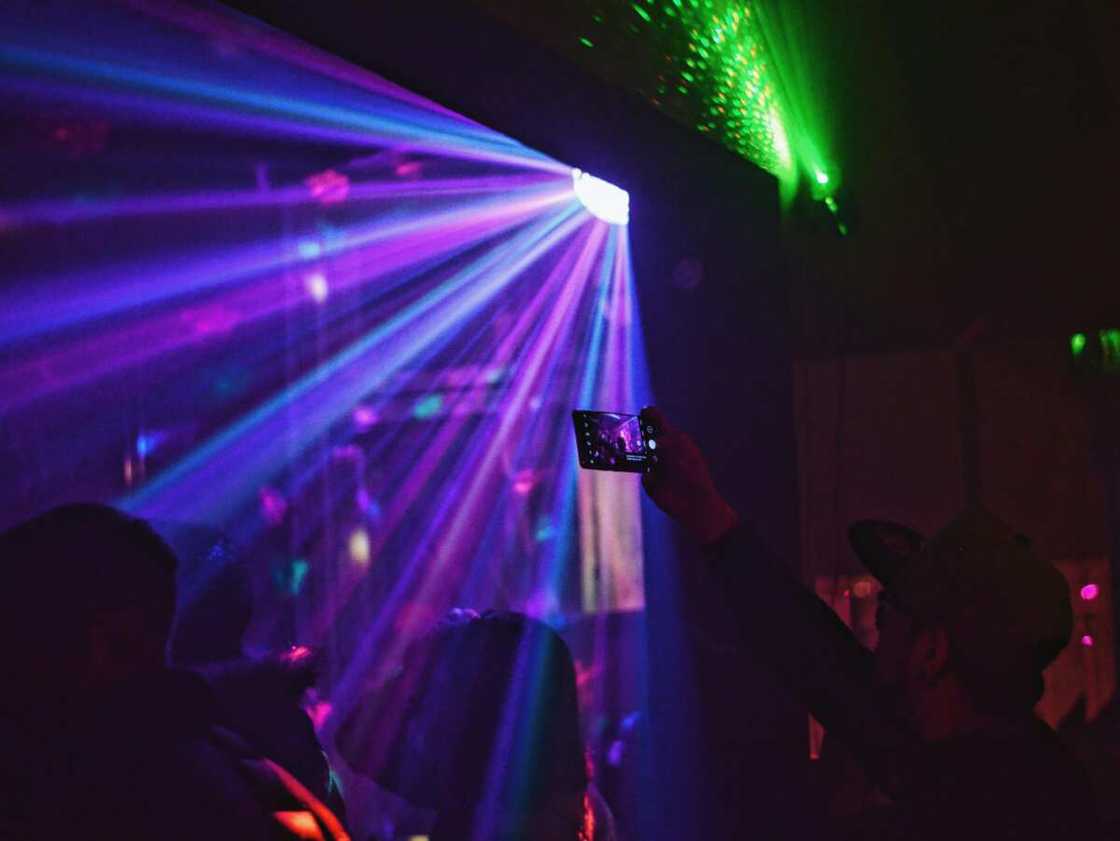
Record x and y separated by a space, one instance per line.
428 407
309 249
544 531
365 416
1077 343
299 571
358 547
1087 640
1090 592
1110 344
317 288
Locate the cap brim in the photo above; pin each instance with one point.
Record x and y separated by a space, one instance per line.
883 546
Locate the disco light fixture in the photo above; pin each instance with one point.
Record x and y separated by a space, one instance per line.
602 199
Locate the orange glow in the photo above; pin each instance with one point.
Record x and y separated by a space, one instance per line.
587 832
301 824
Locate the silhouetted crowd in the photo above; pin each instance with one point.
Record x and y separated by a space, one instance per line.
122 720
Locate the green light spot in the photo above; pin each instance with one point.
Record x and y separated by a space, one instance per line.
822 177
428 407
300 568
642 13
289 578
544 530
586 42
688 77
1110 346
1077 343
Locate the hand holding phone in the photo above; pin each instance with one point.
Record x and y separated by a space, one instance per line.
614 441
682 485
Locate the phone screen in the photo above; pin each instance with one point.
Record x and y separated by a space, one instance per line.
613 441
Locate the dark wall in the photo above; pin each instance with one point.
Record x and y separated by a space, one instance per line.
975 140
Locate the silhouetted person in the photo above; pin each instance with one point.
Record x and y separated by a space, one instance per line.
482 727
1097 744
213 613
104 740
259 697
941 715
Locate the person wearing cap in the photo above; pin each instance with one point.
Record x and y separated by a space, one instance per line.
940 716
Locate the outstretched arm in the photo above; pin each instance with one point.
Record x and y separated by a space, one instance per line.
761 608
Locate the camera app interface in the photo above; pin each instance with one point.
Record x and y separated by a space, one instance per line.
613 440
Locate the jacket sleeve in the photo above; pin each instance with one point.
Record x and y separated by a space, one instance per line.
742 599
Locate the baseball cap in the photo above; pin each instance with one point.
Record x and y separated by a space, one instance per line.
1005 610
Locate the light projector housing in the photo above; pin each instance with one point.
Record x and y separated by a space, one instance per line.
602 199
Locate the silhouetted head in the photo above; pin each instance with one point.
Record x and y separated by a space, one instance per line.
968 620
486 729
90 594
212 619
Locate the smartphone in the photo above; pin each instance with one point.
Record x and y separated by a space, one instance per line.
613 441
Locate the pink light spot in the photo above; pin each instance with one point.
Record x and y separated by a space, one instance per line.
273 506
524 482
1087 640
1090 592
210 319
328 187
297 654
408 169
365 417
319 712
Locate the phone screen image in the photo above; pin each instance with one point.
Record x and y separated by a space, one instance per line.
612 441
